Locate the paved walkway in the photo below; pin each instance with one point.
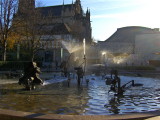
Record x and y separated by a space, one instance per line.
154 118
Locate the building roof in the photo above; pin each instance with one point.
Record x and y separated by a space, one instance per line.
56 29
116 47
55 10
127 34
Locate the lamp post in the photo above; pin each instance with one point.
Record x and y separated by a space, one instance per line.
61 54
18 51
103 57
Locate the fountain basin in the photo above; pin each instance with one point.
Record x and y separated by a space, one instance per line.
19 115
93 99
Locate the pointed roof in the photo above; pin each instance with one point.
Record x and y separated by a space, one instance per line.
56 29
55 10
78 1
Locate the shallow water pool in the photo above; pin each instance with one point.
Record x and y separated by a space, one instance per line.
93 99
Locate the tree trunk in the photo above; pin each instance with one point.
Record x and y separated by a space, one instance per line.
32 55
4 51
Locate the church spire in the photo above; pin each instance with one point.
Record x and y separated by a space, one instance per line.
88 14
24 5
78 7
87 10
78 1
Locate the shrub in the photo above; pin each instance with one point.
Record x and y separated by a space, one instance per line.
14 65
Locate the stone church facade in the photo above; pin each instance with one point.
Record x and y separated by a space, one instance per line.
67 24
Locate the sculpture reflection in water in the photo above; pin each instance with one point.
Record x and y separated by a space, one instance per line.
113 105
31 76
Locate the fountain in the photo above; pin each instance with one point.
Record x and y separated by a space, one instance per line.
93 99
90 99
79 70
84 52
31 76
115 83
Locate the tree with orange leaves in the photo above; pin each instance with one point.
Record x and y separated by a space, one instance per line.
7 11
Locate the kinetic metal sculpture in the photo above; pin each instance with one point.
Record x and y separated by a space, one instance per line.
31 76
115 83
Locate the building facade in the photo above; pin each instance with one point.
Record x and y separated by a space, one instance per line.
133 45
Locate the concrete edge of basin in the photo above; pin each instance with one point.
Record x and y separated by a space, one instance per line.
19 115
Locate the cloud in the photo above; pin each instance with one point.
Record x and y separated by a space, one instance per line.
114 6
118 15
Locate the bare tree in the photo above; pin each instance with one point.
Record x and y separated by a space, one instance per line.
7 11
31 27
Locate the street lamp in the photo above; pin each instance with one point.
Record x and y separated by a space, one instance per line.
103 57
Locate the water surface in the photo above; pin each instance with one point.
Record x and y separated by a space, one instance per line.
93 99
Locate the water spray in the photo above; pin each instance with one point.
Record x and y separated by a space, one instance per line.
81 69
84 47
84 52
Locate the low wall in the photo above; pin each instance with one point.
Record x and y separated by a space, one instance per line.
19 115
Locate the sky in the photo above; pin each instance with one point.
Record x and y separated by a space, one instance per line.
108 15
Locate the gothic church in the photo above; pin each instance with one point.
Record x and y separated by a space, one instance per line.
70 15
65 22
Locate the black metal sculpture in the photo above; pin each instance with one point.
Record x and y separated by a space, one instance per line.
63 66
115 82
31 76
80 74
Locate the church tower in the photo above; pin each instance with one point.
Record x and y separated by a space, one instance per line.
88 14
78 8
25 5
